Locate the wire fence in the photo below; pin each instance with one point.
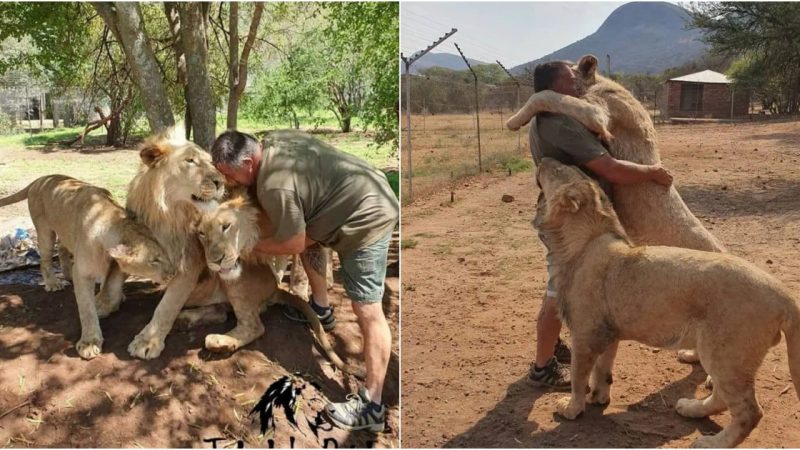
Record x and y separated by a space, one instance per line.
28 105
446 141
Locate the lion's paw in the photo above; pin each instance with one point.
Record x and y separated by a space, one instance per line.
55 285
567 409
690 407
514 123
222 343
89 348
689 356
146 348
599 396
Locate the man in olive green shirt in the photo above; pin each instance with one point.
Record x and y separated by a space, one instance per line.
316 195
565 139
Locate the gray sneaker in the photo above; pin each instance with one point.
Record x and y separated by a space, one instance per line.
357 413
562 352
327 320
554 375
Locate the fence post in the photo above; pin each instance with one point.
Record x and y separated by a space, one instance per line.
477 107
408 62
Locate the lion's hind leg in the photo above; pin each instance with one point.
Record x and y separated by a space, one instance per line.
47 241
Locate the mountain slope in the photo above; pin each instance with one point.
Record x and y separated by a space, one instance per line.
446 60
646 37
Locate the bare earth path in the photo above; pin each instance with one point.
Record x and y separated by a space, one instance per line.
177 400
472 287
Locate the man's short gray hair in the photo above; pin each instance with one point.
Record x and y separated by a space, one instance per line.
232 147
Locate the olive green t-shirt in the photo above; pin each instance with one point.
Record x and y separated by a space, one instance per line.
563 138
338 199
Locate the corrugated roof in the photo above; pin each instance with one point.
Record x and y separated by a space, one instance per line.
706 76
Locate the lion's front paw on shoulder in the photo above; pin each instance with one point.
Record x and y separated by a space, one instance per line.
146 348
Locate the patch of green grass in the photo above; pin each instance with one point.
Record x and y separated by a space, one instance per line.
518 165
426 235
408 243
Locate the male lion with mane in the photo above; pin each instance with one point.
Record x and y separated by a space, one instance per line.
175 177
663 297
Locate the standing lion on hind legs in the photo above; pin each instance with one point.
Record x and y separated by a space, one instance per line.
650 214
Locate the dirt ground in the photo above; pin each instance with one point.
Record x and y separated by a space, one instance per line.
474 279
180 398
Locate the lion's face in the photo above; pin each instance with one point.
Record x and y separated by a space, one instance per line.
185 171
144 257
219 232
566 190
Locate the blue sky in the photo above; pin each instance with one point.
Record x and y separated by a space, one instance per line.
513 32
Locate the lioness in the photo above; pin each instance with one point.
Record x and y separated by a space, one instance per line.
663 297
651 215
228 235
610 110
93 232
174 173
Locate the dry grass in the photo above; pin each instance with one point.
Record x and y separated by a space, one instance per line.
445 149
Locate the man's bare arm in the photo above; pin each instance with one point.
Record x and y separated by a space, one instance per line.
292 246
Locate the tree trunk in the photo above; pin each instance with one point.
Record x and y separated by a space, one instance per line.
174 20
233 64
125 21
346 119
198 85
237 69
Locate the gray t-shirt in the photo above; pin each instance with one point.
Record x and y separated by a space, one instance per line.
338 199
563 138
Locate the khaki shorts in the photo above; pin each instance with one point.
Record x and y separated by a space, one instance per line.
551 267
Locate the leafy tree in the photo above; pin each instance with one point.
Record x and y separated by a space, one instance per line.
763 36
364 44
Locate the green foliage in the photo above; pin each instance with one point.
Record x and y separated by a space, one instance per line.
6 123
59 37
364 44
763 36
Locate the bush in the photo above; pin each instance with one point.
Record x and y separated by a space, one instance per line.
7 123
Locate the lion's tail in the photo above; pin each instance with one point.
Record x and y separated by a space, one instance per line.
304 307
791 329
14 198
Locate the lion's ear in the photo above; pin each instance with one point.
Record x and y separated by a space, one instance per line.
568 201
153 152
587 66
120 252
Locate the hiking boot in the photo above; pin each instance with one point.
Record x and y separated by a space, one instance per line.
563 353
325 316
554 375
359 412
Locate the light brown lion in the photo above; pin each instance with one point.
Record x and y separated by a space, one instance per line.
650 213
96 239
175 177
663 297
228 234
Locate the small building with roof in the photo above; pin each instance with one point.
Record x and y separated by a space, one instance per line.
704 95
